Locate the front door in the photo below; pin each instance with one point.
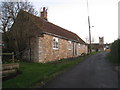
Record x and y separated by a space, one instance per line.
75 50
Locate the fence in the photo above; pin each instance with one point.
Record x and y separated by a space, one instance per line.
17 54
12 54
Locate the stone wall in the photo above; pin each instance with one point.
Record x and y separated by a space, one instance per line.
35 50
47 53
42 49
33 47
82 49
50 54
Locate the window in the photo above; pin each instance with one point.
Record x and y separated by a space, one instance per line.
55 43
79 45
69 45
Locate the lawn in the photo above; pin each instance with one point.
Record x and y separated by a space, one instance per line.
36 74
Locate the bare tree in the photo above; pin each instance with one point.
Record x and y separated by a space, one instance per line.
87 40
10 10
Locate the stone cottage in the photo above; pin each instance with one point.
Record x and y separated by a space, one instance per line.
42 41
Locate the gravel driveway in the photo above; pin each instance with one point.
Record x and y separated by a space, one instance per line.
94 72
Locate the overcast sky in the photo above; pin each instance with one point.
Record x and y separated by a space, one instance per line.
72 15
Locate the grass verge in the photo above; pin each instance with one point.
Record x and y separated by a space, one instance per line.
37 74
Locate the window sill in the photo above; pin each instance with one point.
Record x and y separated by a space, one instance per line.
55 48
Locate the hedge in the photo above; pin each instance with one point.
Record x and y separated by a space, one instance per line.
115 51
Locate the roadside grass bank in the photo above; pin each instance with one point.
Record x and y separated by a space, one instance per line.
34 75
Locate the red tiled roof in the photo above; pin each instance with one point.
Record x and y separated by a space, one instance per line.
48 27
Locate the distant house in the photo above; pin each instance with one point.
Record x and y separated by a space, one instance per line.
99 46
43 41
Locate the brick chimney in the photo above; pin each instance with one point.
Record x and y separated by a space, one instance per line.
44 14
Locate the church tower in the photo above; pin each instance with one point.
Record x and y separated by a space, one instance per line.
101 40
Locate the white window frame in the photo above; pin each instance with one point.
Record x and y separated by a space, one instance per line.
79 45
55 43
69 45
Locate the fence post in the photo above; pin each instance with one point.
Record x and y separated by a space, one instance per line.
13 57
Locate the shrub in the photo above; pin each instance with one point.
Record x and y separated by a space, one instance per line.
115 51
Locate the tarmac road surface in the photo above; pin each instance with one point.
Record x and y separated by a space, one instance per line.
94 72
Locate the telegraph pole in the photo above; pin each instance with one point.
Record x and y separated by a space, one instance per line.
89 35
89 29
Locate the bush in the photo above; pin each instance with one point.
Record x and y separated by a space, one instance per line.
115 51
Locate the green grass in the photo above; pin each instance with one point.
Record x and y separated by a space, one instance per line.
36 74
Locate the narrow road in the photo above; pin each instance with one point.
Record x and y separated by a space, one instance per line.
94 72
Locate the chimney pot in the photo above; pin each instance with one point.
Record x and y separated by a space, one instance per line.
44 13
44 9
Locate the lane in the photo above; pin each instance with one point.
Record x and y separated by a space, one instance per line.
94 72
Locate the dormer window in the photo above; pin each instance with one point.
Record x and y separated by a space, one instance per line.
55 43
